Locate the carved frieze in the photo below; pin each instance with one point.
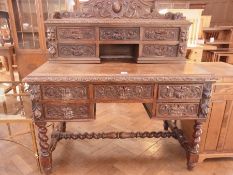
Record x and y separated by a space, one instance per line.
133 9
180 92
77 33
177 109
51 39
119 33
159 34
66 111
74 50
64 92
123 91
159 50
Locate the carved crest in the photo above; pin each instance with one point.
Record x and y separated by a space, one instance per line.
137 9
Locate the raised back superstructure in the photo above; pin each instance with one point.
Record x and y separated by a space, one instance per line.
127 30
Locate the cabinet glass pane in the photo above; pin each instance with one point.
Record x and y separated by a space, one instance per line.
26 24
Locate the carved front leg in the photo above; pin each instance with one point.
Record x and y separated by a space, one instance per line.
45 154
193 152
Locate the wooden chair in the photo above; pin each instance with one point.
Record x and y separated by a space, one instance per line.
20 113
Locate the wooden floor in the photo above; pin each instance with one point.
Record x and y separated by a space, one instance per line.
110 157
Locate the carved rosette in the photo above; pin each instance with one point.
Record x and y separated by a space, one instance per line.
204 105
159 50
35 95
132 9
76 50
119 33
76 33
52 41
66 112
64 92
177 109
180 92
123 91
161 34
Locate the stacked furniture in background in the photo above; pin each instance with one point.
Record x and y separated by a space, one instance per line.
222 38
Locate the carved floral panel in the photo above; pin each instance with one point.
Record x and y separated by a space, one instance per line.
160 34
123 91
66 111
119 34
177 109
159 50
64 92
77 33
180 92
74 50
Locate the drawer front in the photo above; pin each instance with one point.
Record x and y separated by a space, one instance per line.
77 50
180 92
76 33
161 34
177 109
159 50
60 92
67 111
118 92
119 33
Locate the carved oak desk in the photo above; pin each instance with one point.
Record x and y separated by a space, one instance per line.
69 92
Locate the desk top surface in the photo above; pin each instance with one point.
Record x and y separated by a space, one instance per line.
127 72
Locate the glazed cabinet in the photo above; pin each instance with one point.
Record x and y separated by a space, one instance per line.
28 30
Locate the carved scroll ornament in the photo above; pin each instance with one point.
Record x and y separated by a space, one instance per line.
180 91
119 34
159 50
76 50
64 92
123 91
117 9
76 33
66 112
177 109
161 34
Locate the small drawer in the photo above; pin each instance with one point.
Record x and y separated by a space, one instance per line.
180 92
67 111
60 92
119 33
223 89
177 109
161 34
76 33
76 50
156 50
123 92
